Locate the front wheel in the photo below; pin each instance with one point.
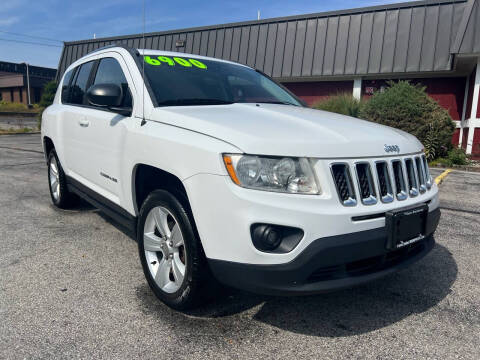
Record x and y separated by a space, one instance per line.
57 182
170 251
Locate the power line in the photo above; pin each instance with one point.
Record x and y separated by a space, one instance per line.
30 42
31 36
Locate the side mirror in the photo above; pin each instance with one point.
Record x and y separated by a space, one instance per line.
109 96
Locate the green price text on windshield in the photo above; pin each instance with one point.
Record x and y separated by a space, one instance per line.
175 60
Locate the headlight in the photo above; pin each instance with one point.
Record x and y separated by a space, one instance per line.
289 175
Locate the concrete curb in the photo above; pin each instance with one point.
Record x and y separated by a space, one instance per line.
443 175
21 133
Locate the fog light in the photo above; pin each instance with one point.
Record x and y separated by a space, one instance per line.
275 238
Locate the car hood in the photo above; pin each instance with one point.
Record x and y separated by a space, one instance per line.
283 130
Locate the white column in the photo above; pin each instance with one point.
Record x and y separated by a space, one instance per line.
357 88
464 111
473 113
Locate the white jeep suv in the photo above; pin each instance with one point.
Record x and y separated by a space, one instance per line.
224 175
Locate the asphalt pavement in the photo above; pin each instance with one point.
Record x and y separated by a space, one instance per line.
71 286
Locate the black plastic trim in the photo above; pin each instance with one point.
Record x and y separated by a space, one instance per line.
293 278
114 211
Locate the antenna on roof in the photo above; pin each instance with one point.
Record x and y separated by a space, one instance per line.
143 64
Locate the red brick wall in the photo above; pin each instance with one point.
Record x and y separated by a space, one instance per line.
456 137
465 138
476 144
470 94
312 92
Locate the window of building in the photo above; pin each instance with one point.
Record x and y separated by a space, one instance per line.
20 93
79 88
110 72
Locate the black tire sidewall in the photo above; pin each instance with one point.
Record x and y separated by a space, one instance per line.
187 294
62 201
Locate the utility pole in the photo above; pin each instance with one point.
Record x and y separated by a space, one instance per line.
28 86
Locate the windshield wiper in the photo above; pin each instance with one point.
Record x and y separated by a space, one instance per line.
187 102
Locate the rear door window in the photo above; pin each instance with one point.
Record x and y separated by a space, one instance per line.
110 72
79 86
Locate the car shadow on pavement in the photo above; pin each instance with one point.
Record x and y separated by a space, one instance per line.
343 313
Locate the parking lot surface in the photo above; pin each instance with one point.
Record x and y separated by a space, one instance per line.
71 285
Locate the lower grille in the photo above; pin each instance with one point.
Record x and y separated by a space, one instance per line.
368 265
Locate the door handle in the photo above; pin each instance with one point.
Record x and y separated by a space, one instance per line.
83 123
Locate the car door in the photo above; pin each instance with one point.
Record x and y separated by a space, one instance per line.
74 124
103 141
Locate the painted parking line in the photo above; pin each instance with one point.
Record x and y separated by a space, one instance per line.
442 176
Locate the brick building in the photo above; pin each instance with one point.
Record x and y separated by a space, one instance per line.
14 82
435 43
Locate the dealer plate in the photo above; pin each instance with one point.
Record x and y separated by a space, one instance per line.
405 226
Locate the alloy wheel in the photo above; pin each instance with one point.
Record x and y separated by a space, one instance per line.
164 249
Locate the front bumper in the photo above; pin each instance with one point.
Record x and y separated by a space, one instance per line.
327 264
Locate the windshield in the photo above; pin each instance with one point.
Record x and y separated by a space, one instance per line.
180 81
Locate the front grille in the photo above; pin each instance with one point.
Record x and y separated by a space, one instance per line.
397 178
344 185
365 183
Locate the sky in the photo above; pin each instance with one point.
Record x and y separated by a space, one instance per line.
52 21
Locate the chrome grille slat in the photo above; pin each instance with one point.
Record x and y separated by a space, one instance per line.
411 177
427 172
344 184
400 185
384 184
422 181
366 186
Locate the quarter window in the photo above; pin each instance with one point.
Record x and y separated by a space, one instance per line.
110 72
65 86
79 87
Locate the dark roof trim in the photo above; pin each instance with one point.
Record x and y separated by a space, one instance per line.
463 26
353 11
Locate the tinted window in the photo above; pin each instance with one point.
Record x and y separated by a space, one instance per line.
65 87
187 81
110 72
77 95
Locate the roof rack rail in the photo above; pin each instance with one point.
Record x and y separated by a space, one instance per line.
112 46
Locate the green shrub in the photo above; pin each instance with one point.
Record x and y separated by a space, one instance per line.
409 108
458 157
441 162
344 104
13 106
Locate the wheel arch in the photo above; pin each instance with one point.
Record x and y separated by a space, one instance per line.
147 178
47 146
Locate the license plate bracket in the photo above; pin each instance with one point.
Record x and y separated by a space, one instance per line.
405 226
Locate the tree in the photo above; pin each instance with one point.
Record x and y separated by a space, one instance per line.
46 100
48 95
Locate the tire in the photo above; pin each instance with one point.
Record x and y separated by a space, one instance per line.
167 244
57 183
